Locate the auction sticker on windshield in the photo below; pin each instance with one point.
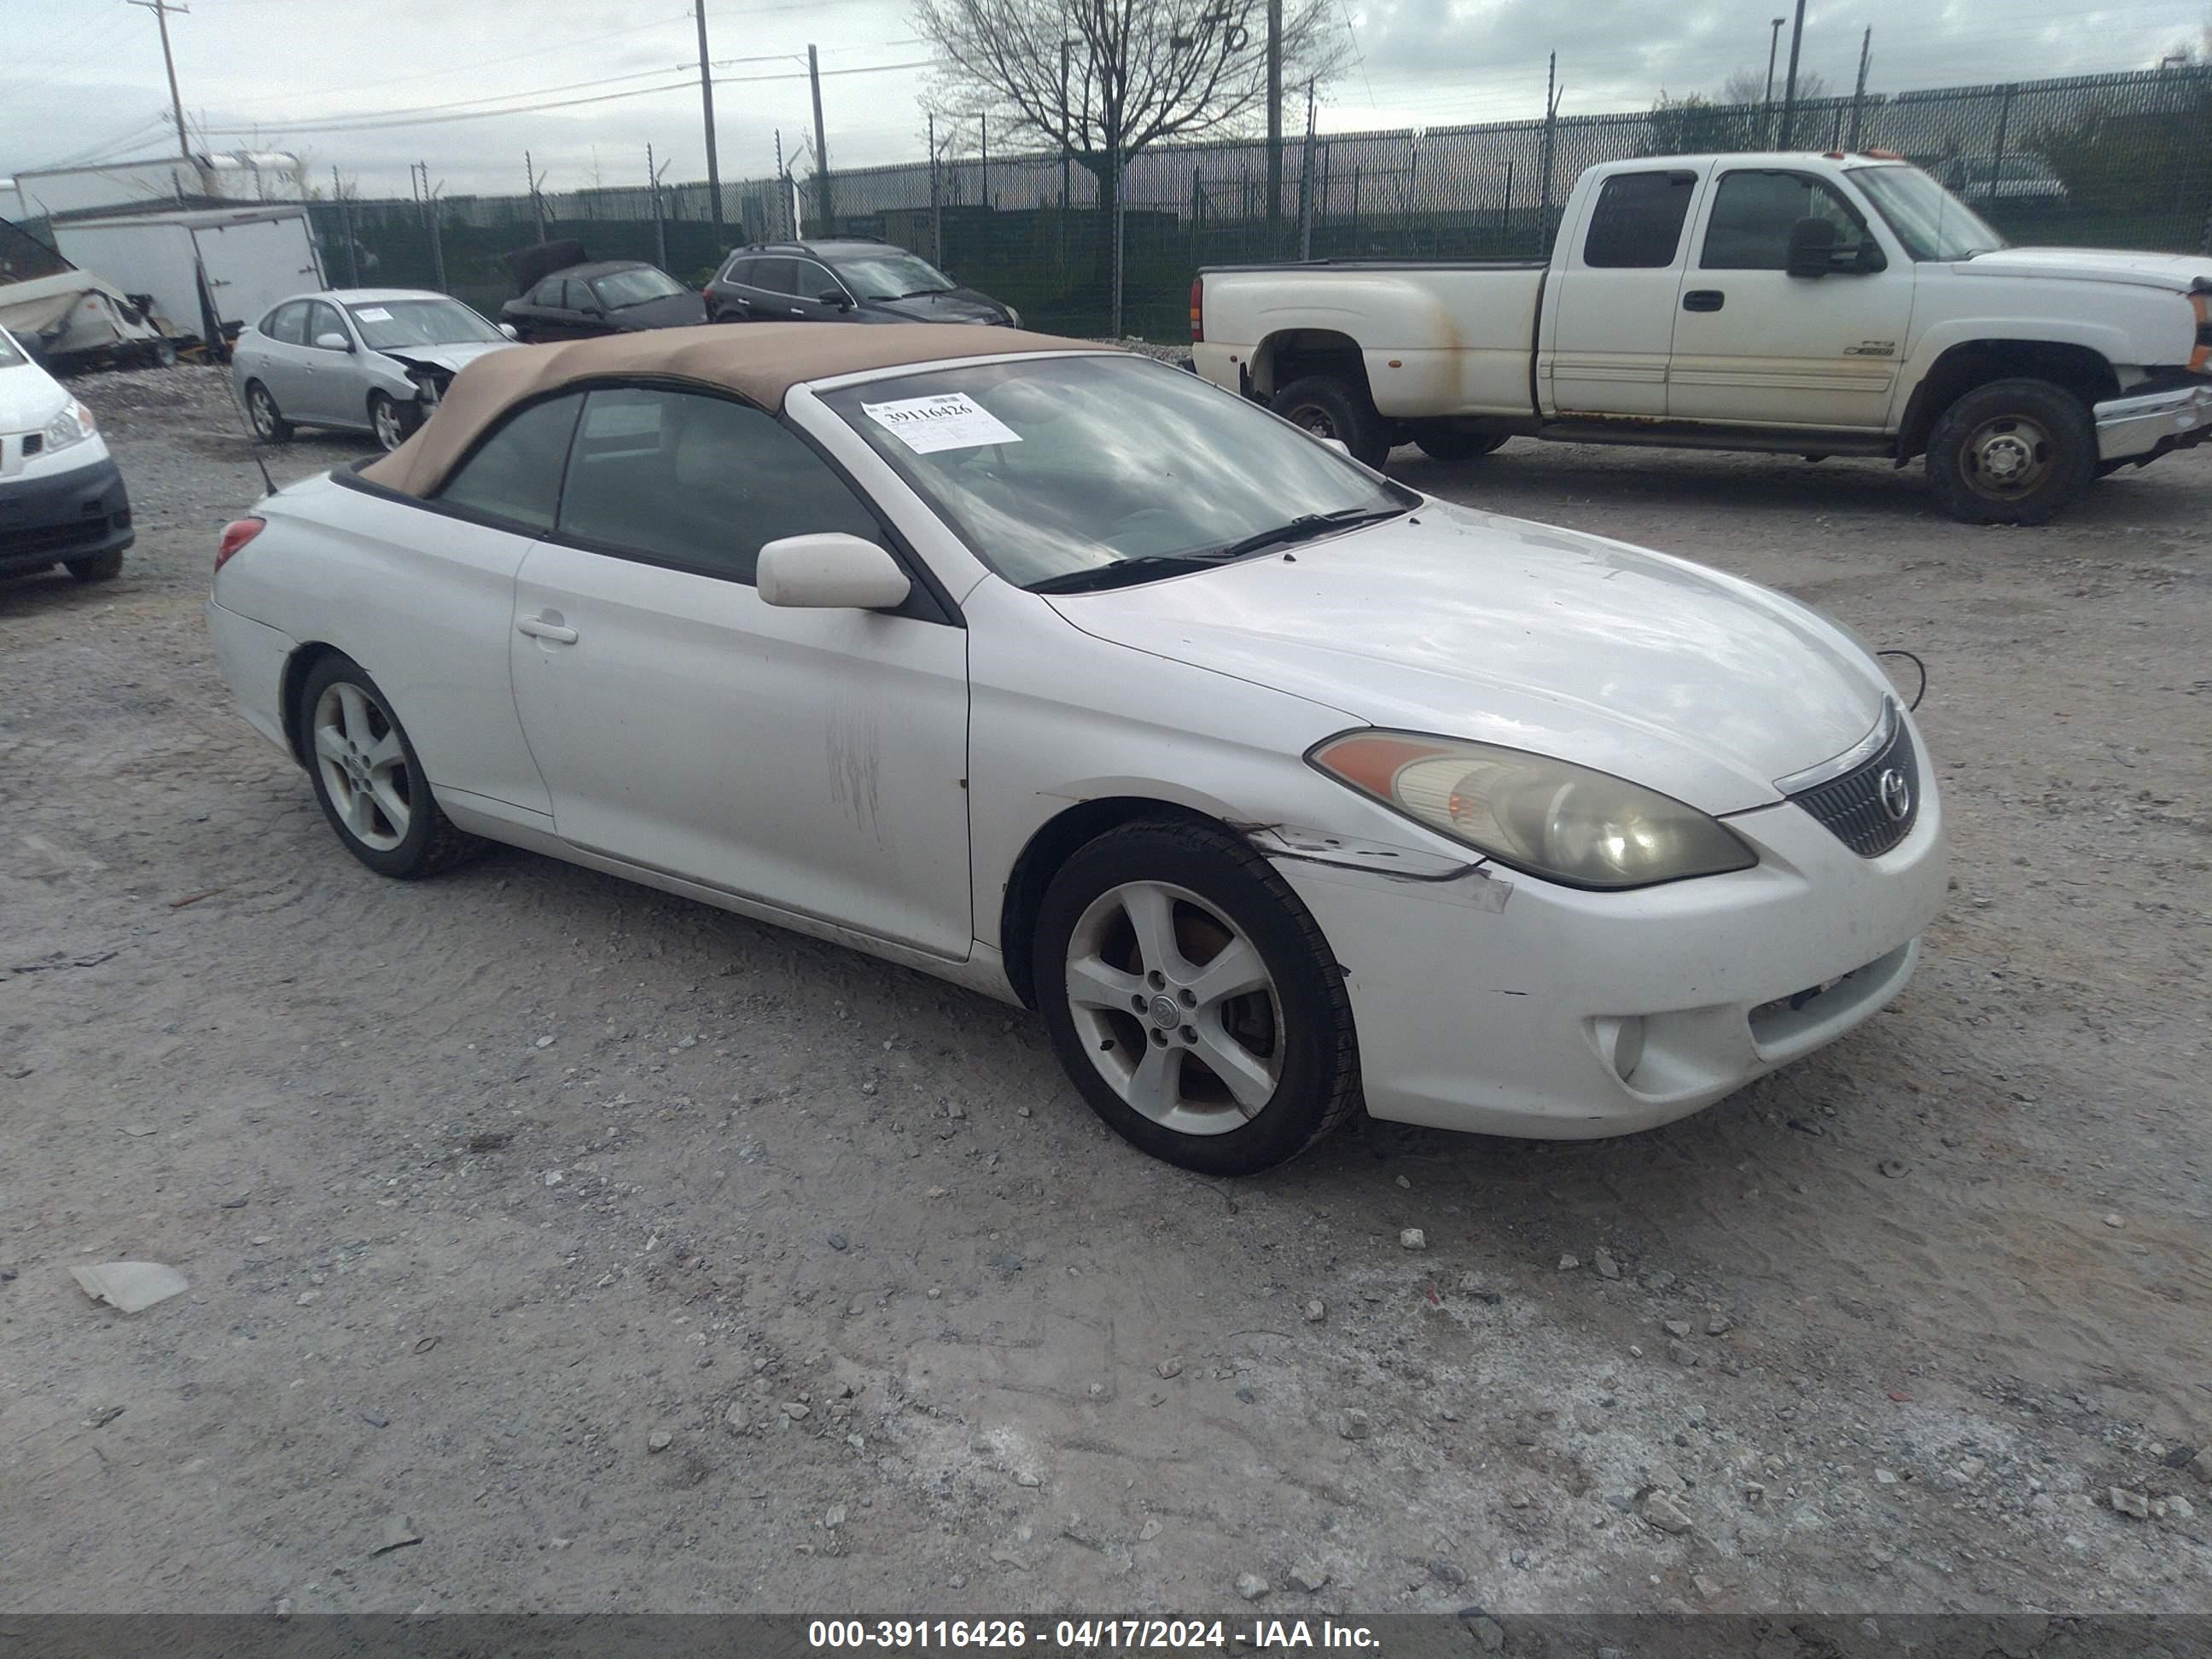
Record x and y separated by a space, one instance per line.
951 420
373 314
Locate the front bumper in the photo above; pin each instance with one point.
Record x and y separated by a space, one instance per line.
63 516
1502 1013
2149 424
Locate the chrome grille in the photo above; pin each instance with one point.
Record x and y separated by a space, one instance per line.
1873 806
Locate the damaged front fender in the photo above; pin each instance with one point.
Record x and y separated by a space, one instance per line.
1455 881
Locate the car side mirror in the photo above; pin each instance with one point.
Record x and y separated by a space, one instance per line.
830 571
1339 446
333 342
508 329
589 311
836 297
1812 248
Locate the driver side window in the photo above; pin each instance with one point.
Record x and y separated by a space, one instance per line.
1753 212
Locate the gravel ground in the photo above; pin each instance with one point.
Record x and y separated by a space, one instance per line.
645 1258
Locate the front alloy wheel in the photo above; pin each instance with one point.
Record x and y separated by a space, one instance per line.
1192 999
1179 1013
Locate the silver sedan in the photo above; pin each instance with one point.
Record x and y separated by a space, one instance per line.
368 360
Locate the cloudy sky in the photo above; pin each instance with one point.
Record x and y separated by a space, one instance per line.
370 87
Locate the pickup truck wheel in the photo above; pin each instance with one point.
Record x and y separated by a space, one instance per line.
2012 452
1330 408
1442 440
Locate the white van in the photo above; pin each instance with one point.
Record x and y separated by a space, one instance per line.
62 500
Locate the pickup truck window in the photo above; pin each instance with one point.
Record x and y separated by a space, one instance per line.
1931 222
1754 210
1637 224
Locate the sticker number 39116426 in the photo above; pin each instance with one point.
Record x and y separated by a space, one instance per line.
950 420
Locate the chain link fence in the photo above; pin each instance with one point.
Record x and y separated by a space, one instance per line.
2116 160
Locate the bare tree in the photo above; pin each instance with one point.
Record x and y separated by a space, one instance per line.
1102 80
1749 86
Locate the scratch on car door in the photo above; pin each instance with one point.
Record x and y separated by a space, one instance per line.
855 761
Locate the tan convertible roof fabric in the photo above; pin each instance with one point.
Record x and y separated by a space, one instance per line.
760 362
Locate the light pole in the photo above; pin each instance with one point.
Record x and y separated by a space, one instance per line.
1789 86
1773 45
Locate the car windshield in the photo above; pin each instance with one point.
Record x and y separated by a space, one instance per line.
387 323
1931 222
890 274
635 287
1091 472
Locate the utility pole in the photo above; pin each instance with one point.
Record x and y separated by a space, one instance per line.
1551 142
1274 120
936 202
783 190
821 207
345 229
536 207
706 114
1306 181
1858 96
983 123
161 9
660 230
1789 90
1773 45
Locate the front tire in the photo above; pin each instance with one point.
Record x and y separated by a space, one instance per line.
367 781
1331 408
100 568
1447 440
1193 1000
2012 452
392 422
269 423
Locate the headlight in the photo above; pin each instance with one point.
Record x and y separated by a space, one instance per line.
1549 818
73 425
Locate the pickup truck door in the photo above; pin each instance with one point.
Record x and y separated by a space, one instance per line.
1753 344
1609 322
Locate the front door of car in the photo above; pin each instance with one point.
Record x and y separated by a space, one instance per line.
814 284
775 291
332 373
1753 344
814 760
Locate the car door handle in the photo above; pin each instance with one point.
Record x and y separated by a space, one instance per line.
1703 299
539 628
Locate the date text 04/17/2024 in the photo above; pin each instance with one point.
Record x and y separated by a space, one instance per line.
1256 1639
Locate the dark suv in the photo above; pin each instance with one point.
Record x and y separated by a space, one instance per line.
849 281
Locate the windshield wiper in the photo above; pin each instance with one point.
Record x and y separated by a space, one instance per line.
1306 525
916 292
1123 572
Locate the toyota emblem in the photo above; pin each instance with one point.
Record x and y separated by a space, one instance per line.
1896 794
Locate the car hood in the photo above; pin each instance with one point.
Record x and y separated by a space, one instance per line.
1472 625
29 397
2179 272
958 305
453 357
671 311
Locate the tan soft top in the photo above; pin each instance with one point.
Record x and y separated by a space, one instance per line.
759 362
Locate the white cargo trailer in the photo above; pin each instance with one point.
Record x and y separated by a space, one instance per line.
253 257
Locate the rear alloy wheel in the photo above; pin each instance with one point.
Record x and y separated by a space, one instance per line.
392 422
1330 408
269 426
1192 999
369 784
2012 452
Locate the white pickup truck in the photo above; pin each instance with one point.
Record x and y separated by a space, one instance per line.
1813 305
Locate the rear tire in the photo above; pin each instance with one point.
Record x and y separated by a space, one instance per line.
269 423
1448 440
1329 407
2012 452
1191 999
100 568
367 781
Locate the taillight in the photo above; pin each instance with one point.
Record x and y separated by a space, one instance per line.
235 535
1198 311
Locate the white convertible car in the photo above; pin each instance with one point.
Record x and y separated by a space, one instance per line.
1281 791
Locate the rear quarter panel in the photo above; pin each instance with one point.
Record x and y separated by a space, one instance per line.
422 600
1436 339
